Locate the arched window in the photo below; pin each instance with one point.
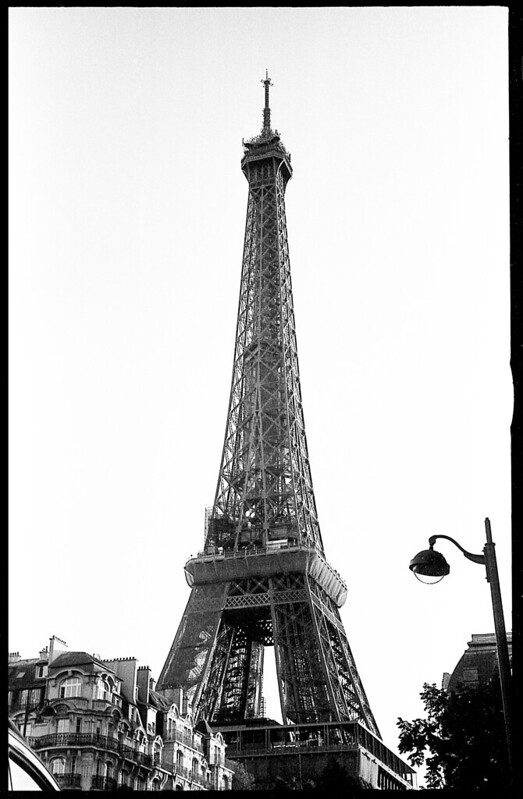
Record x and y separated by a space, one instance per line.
72 686
225 783
179 759
58 765
103 690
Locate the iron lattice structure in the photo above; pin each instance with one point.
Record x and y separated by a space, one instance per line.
262 578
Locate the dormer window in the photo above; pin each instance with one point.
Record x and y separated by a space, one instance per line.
71 687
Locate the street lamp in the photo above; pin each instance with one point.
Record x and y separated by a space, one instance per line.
430 566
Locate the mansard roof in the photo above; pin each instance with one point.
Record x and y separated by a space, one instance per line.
88 662
23 674
479 663
158 701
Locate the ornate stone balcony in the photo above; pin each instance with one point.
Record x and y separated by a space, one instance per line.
68 779
79 739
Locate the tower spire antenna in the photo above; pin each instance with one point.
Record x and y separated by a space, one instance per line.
266 111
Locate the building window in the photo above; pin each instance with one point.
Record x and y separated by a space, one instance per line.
57 766
71 687
470 675
103 690
36 697
63 725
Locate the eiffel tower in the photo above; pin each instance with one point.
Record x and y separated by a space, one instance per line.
262 579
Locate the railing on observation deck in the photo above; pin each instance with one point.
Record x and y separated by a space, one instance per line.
251 550
326 737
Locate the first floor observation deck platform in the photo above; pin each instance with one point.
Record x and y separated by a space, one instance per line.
276 557
302 751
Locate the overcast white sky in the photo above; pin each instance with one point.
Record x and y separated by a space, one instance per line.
127 213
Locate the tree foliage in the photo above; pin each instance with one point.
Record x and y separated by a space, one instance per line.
461 740
242 780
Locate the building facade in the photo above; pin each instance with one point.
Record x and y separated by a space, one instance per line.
479 663
100 725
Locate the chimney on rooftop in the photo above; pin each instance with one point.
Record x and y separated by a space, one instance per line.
14 657
56 647
143 678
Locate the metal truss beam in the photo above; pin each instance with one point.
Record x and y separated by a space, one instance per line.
262 579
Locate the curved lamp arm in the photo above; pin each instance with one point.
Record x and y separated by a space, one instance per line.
488 559
468 555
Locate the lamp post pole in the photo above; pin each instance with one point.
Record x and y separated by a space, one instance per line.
432 564
491 567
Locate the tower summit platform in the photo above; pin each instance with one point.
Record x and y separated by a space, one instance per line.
267 144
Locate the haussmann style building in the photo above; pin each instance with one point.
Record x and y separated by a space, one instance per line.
100 725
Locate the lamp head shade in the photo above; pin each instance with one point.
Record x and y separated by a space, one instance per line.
429 566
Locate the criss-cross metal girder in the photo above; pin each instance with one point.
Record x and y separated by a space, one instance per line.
262 578
265 487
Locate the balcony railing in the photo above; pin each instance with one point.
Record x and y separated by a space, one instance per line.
190 775
142 758
101 783
91 739
186 739
111 744
75 739
69 780
200 779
